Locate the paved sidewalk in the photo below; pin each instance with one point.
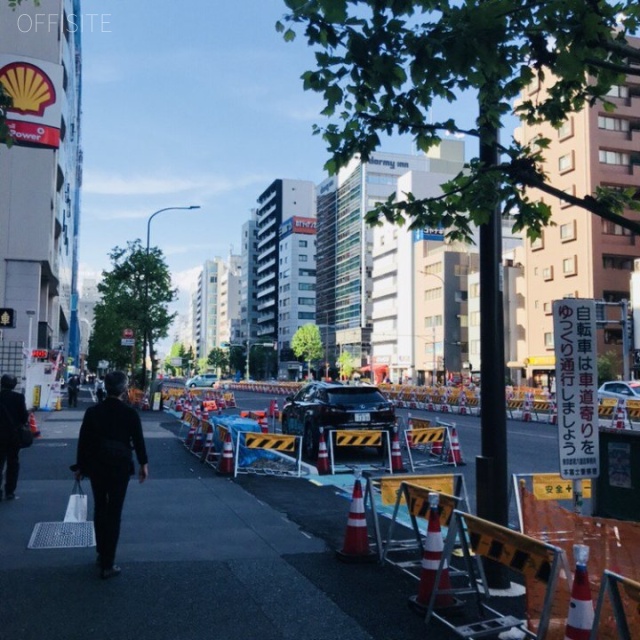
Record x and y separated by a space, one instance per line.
201 558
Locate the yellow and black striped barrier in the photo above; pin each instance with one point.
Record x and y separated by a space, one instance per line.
287 446
378 438
352 438
277 442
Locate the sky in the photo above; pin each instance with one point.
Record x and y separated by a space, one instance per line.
189 104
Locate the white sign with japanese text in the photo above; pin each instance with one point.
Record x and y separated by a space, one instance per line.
574 327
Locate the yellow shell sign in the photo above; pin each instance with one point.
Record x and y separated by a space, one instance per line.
31 89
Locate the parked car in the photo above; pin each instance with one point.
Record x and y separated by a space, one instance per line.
202 380
334 406
620 390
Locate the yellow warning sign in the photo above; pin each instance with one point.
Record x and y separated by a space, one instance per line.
420 423
551 486
279 442
389 487
418 501
427 436
358 438
514 550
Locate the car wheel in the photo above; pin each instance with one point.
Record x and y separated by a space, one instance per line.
192 386
310 443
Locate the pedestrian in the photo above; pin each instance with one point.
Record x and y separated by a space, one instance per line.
110 431
13 415
73 388
100 390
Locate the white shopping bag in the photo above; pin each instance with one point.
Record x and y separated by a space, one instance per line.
77 505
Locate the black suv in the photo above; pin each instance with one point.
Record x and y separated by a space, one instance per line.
334 406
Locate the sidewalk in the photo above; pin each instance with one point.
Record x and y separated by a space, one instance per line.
201 558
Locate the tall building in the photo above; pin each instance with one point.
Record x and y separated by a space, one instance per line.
583 255
229 301
281 200
40 176
248 285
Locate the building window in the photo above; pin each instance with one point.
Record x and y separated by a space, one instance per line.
620 263
306 315
548 340
618 91
433 294
306 286
474 319
307 272
565 162
613 124
547 273
433 321
302 243
613 157
306 302
570 266
568 231
548 308
303 257
474 290
612 229
538 243
566 129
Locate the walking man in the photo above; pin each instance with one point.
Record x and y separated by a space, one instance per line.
110 431
13 414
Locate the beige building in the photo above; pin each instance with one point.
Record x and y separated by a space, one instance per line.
582 255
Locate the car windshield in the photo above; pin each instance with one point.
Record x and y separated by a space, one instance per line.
355 396
635 388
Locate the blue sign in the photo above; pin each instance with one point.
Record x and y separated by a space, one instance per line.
429 233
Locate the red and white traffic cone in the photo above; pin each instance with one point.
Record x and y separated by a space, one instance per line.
33 426
581 614
526 409
553 415
462 403
433 546
620 419
410 442
396 455
356 541
455 455
436 445
323 457
226 465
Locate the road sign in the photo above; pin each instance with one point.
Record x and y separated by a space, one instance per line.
128 342
574 329
7 318
127 333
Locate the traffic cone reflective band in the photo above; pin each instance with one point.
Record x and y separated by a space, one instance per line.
526 410
455 455
620 418
432 555
396 454
580 619
323 457
356 541
225 466
273 409
462 403
33 426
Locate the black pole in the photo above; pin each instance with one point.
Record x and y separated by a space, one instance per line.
491 467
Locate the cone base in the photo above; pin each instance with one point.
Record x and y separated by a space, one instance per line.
421 609
351 558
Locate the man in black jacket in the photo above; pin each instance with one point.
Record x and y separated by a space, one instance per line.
13 414
109 432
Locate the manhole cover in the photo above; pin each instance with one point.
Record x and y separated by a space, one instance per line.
62 535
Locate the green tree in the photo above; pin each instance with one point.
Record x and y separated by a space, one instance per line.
237 358
346 364
381 65
307 343
135 294
218 359
608 364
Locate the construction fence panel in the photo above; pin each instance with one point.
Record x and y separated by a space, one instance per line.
377 438
611 584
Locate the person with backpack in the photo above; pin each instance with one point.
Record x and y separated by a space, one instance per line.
100 390
110 432
13 414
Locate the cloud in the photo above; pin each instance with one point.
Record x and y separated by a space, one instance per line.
186 281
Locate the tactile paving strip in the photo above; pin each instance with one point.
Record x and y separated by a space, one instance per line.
62 535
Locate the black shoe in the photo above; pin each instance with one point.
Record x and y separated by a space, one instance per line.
114 571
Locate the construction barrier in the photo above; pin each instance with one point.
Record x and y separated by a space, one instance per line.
432 442
535 560
384 491
358 438
287 446
624 596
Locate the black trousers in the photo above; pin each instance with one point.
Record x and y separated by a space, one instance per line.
9 455
109 486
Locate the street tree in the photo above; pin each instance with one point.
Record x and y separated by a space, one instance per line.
381 66
218 359
346 363
237 358
307 343
135 294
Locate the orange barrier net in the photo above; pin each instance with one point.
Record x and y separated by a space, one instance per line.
613 545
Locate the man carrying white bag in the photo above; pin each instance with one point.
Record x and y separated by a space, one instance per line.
77 505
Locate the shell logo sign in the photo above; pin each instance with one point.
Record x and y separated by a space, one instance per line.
31 89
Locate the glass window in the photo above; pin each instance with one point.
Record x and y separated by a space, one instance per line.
613 157
570 266
548 340
303 257
566 129
568 231
565 162
302 243
613 124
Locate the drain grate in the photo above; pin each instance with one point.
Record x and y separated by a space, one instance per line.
62 535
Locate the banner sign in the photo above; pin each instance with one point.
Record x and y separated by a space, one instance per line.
574 325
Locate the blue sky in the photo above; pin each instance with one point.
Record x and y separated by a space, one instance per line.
191 104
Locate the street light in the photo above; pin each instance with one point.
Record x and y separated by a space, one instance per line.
146 330
31 314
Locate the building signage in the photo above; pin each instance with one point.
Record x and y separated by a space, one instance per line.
298 224
574 326
35 87
428 233
7 318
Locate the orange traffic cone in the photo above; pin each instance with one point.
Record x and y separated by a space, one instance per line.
356 542
323 457
580 619
431 558
455 455
226 465
273 409
33 426
462 403
396 455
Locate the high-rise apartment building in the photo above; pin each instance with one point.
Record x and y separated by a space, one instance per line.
248 285
281 200
40 176
582 255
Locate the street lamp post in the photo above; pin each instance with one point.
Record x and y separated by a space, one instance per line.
31 315
146 331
